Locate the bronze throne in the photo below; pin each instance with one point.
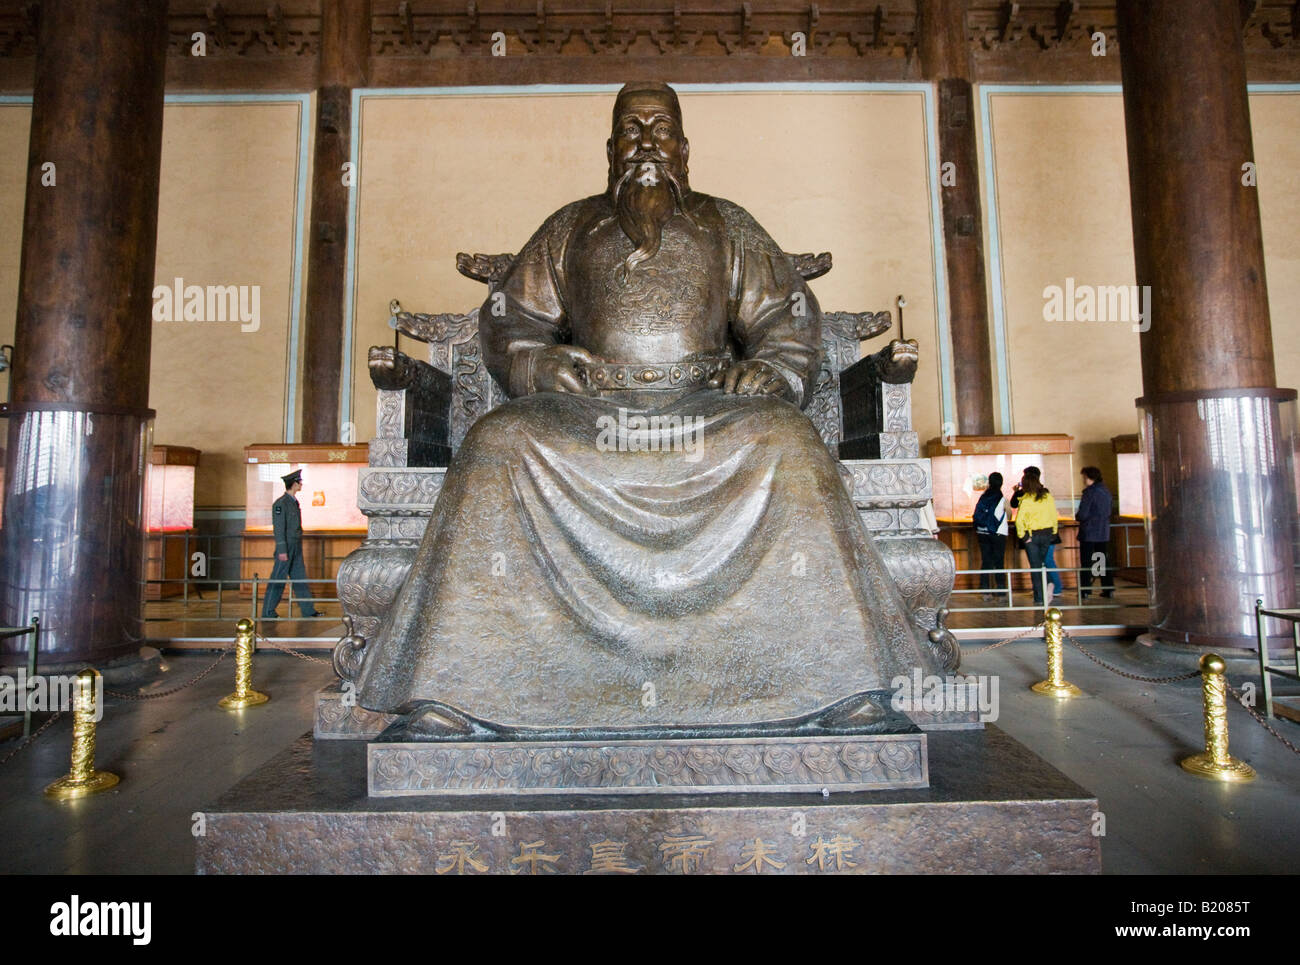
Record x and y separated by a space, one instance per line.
862 408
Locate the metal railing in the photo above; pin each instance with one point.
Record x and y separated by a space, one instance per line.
33 645
197 608
212 561
1261 641
1067 599
207 599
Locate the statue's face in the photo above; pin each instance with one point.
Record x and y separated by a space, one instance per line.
647 171
648 129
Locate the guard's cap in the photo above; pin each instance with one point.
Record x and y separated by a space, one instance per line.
291 478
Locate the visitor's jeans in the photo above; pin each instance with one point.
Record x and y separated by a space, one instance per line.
993 554
1053 574
1037 549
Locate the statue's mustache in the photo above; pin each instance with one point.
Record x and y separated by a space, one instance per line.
644 197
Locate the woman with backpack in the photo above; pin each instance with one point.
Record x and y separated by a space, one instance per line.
990 519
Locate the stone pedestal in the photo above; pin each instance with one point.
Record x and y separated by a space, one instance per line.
992 806
690 766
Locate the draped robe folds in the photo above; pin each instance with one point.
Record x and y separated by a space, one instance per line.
645 556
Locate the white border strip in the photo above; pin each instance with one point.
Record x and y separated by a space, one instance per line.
940 293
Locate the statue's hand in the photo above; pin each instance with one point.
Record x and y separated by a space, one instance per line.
559 368
751 377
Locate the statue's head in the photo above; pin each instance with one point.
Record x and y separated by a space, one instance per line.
647 164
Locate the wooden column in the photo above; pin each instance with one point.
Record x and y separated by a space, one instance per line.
1218 456
945 59
344 55
73 538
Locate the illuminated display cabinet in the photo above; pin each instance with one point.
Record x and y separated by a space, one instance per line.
1129 541
168 517
331 523
961 466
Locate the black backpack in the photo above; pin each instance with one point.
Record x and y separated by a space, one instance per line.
984 518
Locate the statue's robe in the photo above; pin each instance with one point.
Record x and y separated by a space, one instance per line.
576 573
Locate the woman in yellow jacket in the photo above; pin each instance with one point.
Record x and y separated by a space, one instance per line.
1035 527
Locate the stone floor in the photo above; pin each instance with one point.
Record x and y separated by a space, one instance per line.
178 753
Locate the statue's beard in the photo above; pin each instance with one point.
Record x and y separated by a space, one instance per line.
645 197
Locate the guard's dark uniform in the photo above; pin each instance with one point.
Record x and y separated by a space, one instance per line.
286 521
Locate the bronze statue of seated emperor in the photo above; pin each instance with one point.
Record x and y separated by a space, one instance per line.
650 532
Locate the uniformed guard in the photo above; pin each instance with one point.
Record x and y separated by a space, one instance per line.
286 520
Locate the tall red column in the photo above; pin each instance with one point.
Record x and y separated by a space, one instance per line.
344 55
73 539
1216 429
945 59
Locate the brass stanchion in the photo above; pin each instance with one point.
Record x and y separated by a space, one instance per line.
83 779
1055 685
1215 763
244 695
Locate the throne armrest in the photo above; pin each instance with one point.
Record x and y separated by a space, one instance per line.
876 400
412 412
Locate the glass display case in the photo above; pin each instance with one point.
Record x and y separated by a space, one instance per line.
168 518
1128 533
329 486
961 466
332 524
1131 476
169 489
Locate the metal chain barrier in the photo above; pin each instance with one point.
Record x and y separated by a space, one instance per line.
30 740
1185 676
175 690
1003 643
1258 717
294 653
1124 673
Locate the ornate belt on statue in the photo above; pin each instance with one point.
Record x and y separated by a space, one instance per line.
669 375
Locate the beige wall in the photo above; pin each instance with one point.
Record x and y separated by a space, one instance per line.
1275 123
15 121
1063 211
845 172
226 216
